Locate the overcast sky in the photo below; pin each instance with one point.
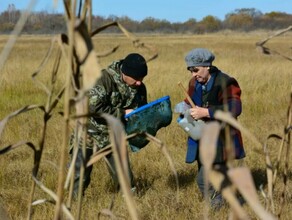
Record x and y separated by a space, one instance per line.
171 10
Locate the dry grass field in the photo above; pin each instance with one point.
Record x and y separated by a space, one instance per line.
266 88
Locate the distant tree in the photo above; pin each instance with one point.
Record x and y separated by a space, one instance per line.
252 12
274 20
242 19
12 13
149 24
9 18
97 21
177 27
239 22
190 25
209 24
129 24
164 26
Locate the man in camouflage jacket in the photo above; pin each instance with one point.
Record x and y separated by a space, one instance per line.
117 92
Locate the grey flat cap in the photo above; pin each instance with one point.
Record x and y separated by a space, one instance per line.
199 57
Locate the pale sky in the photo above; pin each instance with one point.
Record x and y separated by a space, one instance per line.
171 10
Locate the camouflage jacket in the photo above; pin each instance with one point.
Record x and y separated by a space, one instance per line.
113 96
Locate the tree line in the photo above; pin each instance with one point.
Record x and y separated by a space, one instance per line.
245 19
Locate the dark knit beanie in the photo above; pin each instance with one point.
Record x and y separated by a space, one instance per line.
134 65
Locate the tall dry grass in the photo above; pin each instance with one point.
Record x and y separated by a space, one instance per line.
266 86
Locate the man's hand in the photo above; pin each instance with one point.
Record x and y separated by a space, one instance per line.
199 112
127 111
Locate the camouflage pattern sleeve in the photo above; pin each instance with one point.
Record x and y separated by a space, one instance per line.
102 97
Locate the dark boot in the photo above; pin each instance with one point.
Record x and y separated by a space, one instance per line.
216 199
87 172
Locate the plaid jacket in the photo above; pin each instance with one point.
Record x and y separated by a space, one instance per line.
220 87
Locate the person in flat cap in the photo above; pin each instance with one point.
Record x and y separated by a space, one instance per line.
211 90
117 92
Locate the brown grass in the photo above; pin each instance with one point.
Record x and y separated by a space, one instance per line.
266 86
